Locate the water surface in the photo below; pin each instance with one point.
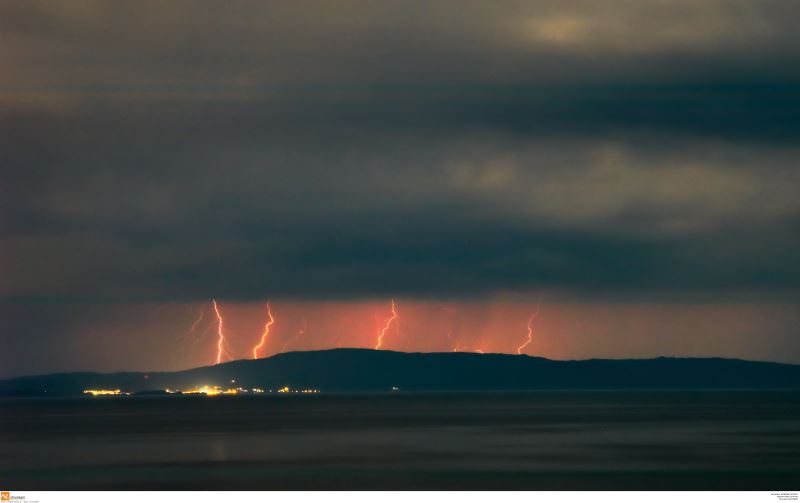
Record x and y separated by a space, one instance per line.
539 440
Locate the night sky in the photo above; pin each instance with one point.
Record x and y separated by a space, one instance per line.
631 168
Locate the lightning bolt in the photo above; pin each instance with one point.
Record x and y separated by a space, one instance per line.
202 335
450 336
530 330
456 342
191 330
297 335
221 341
386 326
197 321
182 338
265 334
192 333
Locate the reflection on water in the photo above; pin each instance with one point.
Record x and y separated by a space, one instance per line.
539 440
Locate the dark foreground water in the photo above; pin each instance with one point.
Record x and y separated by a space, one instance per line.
541 440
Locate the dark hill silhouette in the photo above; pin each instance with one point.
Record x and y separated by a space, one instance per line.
364 370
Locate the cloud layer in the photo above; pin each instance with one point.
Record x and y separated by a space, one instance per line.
360 148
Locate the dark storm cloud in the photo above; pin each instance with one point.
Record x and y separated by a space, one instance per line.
357 148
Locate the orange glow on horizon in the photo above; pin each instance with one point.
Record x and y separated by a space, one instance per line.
265 334
566 330
386 327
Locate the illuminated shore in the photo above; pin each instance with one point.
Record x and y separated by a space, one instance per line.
202 390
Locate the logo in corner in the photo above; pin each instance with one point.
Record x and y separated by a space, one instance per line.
5 496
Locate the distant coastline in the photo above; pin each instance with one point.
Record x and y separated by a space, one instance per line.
365 370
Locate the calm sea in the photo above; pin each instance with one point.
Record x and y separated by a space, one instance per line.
541 440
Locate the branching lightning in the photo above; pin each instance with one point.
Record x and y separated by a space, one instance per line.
202 335
386 326
197 321
265 334
221 340
186 335
193 334
530 330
